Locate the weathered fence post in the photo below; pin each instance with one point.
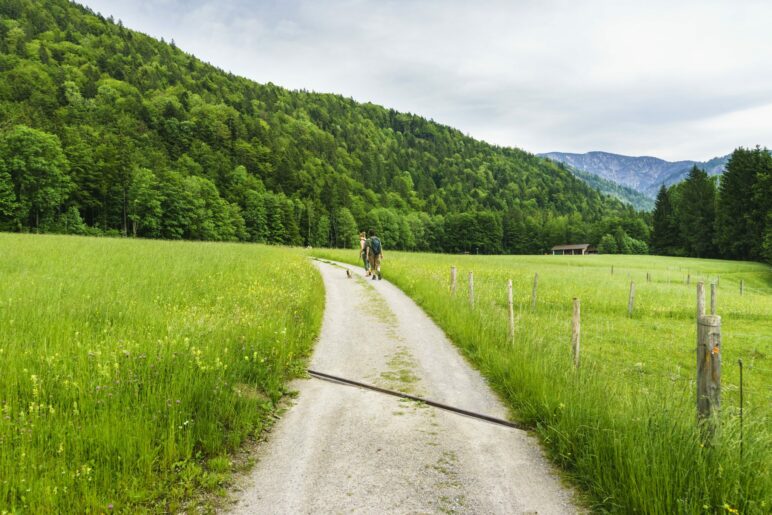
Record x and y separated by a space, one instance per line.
533 292
511 312
631 300
471 289
740 364
700 299
708 369
742 286
453 280
648 277
688 278
575 332
713 292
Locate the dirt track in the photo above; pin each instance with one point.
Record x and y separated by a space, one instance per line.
342 449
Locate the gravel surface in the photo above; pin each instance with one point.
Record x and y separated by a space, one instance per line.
342 449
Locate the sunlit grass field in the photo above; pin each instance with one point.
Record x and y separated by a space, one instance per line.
130 369
623 425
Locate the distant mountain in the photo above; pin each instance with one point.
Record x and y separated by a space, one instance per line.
644 174
628 195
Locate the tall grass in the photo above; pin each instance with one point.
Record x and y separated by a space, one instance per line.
623 425
131 368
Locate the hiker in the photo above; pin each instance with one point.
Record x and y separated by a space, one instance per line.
363 251
374 255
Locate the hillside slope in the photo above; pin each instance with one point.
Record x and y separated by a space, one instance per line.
624 193
153 142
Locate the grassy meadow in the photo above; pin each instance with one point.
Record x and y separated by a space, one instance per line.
130 369
623 425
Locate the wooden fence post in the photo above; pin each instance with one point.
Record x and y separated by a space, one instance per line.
708 368
511 312
713 292
533 292
742 286
453 280
471 289
575 332
612 269
631 300
700 299
688 278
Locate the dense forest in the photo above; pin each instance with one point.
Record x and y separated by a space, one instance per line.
104 130
731 219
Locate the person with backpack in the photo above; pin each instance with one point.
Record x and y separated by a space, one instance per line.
374 255
363 252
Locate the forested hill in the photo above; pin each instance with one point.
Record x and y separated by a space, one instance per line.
106 130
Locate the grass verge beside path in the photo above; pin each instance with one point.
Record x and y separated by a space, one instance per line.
623 426
130 369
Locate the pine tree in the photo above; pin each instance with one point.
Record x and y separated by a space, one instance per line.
345 228
8 204
762 198
289 222
744 208
664 235
697 214
275 222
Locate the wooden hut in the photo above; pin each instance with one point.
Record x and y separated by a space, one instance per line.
578 249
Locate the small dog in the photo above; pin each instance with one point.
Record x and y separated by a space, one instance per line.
348 273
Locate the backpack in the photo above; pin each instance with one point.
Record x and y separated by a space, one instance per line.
375 245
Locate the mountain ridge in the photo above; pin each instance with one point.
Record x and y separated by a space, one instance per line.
644 174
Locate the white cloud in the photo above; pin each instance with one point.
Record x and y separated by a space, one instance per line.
680 80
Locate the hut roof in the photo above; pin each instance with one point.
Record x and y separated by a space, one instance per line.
572 246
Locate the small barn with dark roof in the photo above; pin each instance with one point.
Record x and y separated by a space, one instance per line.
578 249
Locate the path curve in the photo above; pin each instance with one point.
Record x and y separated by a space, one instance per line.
345 449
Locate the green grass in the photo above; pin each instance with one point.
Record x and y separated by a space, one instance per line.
130 369
623 426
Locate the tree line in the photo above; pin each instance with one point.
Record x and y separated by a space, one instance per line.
107 131
728 217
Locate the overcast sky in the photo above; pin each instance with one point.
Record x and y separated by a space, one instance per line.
672 79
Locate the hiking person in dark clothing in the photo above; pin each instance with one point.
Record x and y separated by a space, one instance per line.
374 254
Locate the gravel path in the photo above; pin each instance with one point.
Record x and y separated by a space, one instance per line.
342 449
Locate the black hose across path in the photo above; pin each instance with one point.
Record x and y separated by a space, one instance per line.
428 402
